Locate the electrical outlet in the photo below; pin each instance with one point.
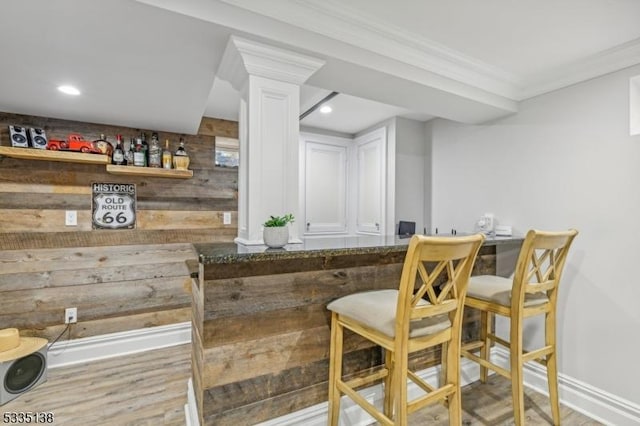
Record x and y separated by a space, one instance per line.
226 218
71 218
71 315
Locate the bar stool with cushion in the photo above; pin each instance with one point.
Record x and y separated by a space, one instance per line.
532 291
406 320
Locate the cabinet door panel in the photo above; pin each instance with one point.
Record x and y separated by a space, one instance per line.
325 188
371 178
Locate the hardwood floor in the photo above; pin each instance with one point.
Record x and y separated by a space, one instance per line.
150 388
490 405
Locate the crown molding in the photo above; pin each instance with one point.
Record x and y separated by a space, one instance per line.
338 31
336 20
605 62
244 57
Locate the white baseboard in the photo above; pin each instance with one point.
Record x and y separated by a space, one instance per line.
187 416
87 349
579 396
191 408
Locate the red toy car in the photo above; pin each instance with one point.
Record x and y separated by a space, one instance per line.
74 142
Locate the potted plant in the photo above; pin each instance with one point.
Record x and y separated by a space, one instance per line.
276 232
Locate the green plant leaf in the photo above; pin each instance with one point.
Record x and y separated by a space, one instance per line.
275 221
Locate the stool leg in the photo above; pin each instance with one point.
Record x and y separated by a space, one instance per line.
486 321
454 401
399 386
335 369
517 386
444 365
388 384
552 367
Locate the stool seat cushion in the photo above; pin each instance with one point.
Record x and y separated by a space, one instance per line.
498 290
377 309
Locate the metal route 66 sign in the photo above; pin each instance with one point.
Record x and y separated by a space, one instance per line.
113 206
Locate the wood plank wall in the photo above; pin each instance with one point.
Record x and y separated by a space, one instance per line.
118 279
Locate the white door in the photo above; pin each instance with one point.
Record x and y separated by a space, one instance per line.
370 199
325 191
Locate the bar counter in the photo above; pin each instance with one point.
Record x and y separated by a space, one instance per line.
261 329
314 247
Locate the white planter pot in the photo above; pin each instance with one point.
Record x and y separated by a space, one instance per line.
275 236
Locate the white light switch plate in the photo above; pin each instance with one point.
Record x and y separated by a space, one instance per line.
71 218
226 218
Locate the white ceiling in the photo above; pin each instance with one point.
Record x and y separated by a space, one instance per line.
152 63
135 65
351 114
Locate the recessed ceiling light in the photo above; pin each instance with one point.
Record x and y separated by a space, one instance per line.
68 90
326 109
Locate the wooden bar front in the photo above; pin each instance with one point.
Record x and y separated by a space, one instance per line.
261 328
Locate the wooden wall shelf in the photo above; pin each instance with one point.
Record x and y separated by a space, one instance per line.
149 171
79 157
47 155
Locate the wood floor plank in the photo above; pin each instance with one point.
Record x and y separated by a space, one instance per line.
490 404
141 389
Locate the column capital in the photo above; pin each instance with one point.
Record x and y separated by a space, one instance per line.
244 57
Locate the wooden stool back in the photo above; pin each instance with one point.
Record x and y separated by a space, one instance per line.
540 265
425 316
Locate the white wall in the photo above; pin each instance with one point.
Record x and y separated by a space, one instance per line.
410 172
565 160
428 177
409 151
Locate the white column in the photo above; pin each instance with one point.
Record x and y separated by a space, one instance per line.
269 80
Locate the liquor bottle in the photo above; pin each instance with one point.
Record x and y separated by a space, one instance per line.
167 157
118 153
181 158
155 152
139 159
129 154
145 148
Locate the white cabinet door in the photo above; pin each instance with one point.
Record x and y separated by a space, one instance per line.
325 189
371 161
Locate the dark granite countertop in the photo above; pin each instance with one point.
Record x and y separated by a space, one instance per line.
213 253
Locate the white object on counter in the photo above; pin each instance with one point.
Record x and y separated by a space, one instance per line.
503 231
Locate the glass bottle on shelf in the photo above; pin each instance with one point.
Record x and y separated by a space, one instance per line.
145 148
167 157
118 153
181 158
155 152
139 159
129 154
